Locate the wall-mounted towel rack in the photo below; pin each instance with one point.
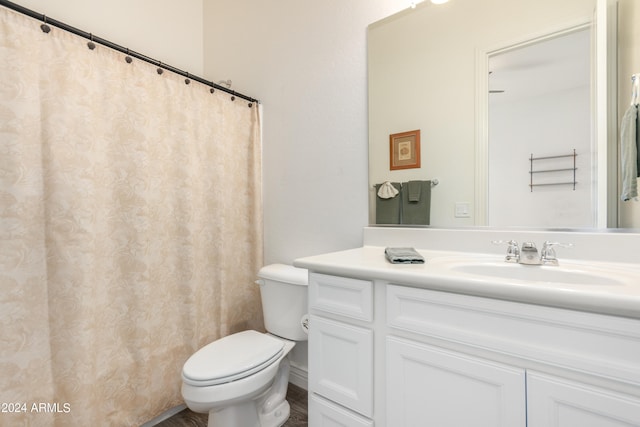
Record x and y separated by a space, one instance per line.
434 182
569 168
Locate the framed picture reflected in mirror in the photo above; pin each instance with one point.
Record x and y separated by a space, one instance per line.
404 150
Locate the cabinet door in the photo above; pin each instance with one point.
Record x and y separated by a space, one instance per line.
432 387
341 363
323 413
555 402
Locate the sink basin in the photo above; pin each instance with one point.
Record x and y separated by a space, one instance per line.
569 274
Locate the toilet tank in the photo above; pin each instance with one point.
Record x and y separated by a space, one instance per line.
283 289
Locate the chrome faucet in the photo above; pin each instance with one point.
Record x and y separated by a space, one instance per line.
528 253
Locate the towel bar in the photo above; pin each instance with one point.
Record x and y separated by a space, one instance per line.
434 182
551 170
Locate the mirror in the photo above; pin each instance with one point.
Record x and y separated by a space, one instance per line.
429 71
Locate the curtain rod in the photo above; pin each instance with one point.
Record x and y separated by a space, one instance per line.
109 44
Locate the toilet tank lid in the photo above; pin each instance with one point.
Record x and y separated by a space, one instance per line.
285 273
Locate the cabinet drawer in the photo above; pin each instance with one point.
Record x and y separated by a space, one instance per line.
571 339
339 295
323 413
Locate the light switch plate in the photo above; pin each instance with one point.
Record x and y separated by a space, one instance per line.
463 210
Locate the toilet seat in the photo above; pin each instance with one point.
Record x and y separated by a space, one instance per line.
232 358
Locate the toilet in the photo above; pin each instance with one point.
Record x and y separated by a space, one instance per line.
241 380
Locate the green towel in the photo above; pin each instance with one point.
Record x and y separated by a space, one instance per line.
403 256
416 212
413 190
388 210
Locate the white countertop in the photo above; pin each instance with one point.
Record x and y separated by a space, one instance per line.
369 262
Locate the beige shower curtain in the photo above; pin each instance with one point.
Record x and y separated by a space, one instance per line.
130 228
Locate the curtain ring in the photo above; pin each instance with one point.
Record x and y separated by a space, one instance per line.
91 45
187 81
128 58
44 27
159 70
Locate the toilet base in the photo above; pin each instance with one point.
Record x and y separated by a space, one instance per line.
246 415
278 417
274 409
269 410
243 414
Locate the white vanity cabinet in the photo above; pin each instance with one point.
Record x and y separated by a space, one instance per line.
504 363
388 355
340 352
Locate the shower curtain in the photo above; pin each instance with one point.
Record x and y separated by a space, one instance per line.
130 228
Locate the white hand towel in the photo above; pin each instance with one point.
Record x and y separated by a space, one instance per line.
629 154
387 191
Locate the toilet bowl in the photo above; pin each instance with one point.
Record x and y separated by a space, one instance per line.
241 380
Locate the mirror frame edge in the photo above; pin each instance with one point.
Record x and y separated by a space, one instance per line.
605 21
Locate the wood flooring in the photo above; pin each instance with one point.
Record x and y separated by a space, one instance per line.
296 396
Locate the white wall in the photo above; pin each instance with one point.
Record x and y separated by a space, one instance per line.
167 30
306 62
